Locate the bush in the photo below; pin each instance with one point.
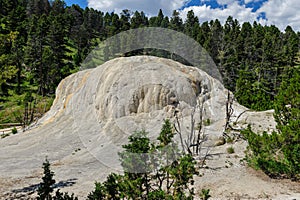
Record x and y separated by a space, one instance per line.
14 130
269 153
64 196
205 194
230 150
229 139
277 154
207 122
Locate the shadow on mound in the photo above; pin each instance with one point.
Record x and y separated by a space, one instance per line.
33 188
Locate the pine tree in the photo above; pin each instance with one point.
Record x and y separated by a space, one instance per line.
38 7
164 176
8 68
124 20
135 156
165 22
191 25
139 20
46 187
216 41
57 7
35 48
291 46
166 134
55 57
156 21
176 22
135 162
230 55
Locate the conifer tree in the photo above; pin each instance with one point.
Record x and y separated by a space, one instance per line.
152 175
175 21
46 187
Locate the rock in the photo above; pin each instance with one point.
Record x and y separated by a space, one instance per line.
220 141
135 88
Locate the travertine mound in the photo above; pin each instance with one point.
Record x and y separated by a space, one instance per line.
136 88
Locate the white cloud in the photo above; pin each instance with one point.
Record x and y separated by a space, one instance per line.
225 2
249 1
278 12
150 7
282 13
206 13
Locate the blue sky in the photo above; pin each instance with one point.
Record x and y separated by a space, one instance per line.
267 12
81 3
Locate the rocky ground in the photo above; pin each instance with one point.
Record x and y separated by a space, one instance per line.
226 175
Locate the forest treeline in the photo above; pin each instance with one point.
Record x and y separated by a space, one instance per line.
42 41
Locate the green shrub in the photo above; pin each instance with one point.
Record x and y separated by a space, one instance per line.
205 194
14 130
230 150
207 122
230 139
277 154
64 196
269 153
